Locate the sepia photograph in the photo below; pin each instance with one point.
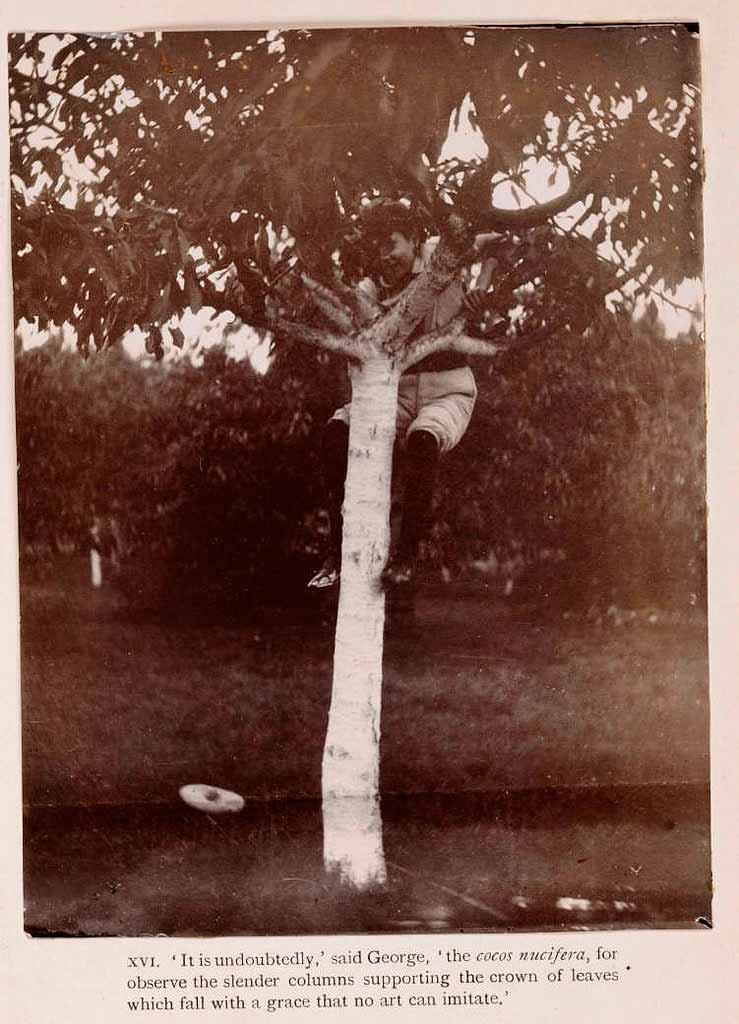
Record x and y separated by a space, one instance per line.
361 438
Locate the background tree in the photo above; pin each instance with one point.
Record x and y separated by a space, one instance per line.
257 151
580 478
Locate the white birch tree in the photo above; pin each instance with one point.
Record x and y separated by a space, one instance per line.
377 346
132 154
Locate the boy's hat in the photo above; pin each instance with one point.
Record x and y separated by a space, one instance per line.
211 799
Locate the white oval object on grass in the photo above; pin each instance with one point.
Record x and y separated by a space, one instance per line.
211 799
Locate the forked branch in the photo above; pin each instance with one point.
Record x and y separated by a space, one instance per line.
449 338
234 300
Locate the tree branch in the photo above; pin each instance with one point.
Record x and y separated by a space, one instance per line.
432 342
587 212
533 216
617 265
469 346
316 337
225 302
365 308
532 338
325 300
222 302
449 338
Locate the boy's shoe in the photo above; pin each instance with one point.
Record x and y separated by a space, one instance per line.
328 575
399 572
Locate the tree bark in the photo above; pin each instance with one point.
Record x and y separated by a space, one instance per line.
352 826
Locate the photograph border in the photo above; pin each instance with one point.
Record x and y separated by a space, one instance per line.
680 974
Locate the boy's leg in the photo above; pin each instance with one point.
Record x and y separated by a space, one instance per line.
445 404
334 452
420 470
334 448
421 465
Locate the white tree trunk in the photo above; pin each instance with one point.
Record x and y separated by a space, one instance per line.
352 826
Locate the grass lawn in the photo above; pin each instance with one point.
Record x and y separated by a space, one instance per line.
536 773
477 697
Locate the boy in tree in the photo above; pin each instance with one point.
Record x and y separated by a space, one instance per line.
435 397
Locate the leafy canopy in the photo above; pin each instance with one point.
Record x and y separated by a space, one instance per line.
133 153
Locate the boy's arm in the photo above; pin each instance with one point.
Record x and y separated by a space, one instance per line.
485 277
474 297
484 239
369 288
481 243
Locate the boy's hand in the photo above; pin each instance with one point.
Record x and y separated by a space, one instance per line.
474 302
487 238
235 294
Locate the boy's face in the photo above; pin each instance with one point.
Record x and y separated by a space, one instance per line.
397 257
